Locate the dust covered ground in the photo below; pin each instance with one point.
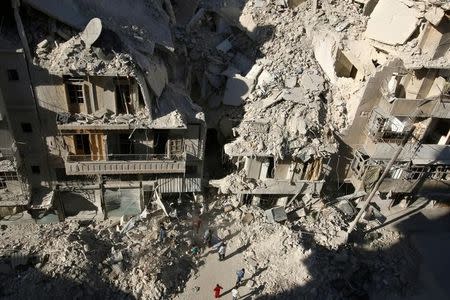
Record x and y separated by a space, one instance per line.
301 258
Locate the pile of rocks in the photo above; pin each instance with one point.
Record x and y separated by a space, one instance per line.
305 258
93 260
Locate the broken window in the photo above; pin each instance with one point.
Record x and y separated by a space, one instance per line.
438 132
344 67
125 144
123 98
161 137
75 90
270 169
359 163
77 93
82 144
2 183
176 146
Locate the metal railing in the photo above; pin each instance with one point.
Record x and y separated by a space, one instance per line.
125 157
382 128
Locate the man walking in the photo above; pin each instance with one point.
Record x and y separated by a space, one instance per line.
217 290
162 233
235 293
207 237
240 274
221 251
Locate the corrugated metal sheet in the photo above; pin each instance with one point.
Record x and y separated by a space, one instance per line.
179 185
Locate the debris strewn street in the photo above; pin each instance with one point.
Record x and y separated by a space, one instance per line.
233 149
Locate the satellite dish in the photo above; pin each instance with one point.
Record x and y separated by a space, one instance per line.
92 31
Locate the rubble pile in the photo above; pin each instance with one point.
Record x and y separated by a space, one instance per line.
307 257
108 117
91 260
7 165
74 57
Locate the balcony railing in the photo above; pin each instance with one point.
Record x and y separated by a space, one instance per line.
123 157
437 107
125 164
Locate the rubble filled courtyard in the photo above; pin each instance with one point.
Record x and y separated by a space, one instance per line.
232 149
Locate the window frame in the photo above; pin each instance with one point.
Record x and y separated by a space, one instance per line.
77 88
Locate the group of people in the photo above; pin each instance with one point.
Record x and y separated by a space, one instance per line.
234 292
208 240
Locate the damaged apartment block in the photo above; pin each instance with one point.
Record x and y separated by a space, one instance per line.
406 99
102 130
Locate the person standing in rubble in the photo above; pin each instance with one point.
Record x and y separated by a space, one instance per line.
202 209
221 251
207 237
197 223
240 275
162 233
195 250
217 290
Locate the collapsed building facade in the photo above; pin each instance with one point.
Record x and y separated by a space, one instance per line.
405 100
102 129
299 94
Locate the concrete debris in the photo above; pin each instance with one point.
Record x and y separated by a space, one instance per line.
93 256
74 56
276 214
7 165
307 253
280 81
392 22
434 15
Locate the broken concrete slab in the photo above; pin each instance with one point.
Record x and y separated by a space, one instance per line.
101 113
296 94
290 82
294 3
276 214
254 73
272 99
248 23
392 22
237 90
312 82
434 15
300 212
265 78
155 71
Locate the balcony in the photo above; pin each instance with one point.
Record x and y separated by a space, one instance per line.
125 164
422 108
417 153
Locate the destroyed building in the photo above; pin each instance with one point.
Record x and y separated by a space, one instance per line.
103 129
405 98
14 189
106 116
